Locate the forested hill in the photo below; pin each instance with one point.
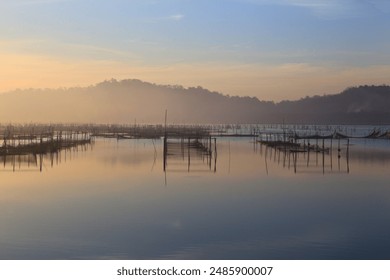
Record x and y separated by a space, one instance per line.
355 105
128 101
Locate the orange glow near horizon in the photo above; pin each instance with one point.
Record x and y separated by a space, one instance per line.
266 82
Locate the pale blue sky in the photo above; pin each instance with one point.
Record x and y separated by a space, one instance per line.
280 49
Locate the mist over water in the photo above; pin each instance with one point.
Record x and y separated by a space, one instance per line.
113 200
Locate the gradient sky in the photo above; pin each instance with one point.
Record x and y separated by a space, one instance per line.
272 49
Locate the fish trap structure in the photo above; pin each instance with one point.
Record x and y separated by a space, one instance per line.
29 146
186 153
299 152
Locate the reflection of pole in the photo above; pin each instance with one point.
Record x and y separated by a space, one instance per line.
295 161
261 147
210 154
289 156
165 142
338 161
210 144
215 155
182 146
275 154
265 157
338 146
338 154
331 154
189 152
229 158
317 151
165 153
323 156
348 156
40 162
215 147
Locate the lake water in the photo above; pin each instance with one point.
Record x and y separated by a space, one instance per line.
113 200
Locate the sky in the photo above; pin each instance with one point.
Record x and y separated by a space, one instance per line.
270 49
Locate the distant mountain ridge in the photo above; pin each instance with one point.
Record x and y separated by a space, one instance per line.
355 105
130 101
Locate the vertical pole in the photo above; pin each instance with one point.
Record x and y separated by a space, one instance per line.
165 125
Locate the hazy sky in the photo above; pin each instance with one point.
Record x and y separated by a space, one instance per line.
272 49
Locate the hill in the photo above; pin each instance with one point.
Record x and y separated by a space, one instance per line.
128 101
355 105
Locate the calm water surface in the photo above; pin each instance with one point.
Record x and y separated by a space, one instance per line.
113 200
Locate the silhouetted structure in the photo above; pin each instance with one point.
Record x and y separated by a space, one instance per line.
29 144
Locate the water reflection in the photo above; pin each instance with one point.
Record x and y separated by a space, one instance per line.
330 159
111 202
32 161
306 160
190 155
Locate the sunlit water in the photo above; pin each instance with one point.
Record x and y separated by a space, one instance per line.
113 200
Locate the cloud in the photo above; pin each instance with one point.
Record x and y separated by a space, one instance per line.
72 51
330 9
37 2
176 17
